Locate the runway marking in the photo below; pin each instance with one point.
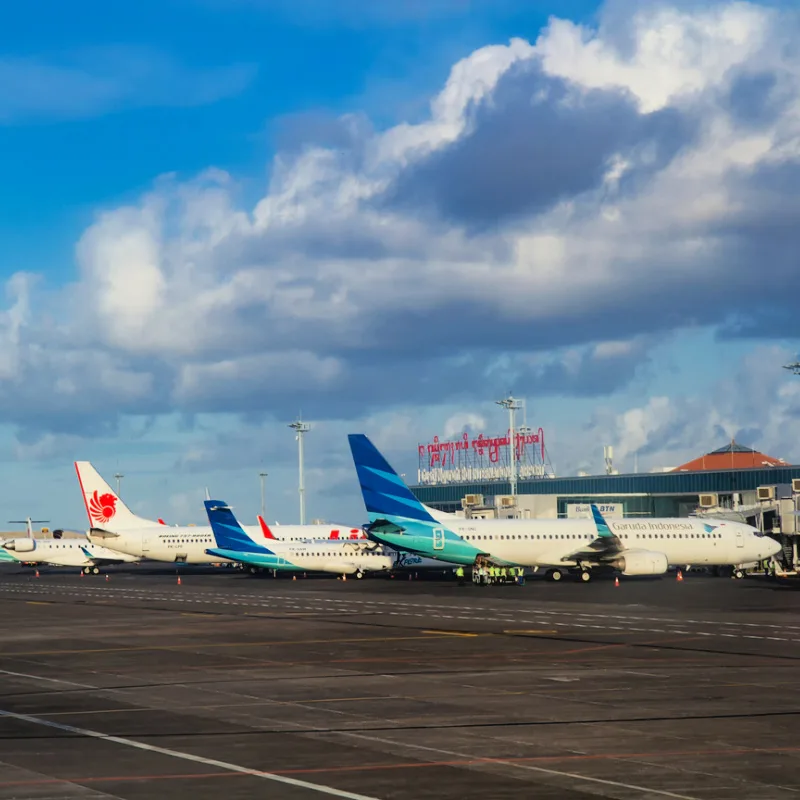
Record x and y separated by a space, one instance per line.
466 762
41 678
100 711
512 632
210 762
216 645
456 633
530 768
275 606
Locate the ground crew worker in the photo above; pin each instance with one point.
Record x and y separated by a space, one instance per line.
460 575
504 574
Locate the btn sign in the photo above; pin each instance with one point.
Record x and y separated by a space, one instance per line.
584 510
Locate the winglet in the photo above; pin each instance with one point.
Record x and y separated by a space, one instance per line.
161 521
268 534
227 531
603 531
384 491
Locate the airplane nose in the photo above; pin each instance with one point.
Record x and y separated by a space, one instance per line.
773 547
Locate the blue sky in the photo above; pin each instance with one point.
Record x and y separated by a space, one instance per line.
219 214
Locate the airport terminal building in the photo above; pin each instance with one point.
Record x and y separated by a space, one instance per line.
733 480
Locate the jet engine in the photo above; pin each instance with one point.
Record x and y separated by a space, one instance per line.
20 545
641 562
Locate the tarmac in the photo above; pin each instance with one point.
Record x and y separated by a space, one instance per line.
235 686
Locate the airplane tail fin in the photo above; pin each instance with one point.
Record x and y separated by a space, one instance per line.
268 534
384 491
603 531
228 533
103 506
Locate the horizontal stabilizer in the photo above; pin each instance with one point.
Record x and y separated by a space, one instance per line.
103 533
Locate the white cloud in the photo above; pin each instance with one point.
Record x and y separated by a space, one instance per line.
330 294
462 421
671 54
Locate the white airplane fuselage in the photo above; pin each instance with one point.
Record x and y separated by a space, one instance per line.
188 545
63 552
555 543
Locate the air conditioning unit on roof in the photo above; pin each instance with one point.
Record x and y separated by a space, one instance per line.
709 501
506 501
470 500
796 485
765 492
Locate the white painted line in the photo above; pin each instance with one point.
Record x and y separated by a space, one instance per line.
269 776
41 678
558 773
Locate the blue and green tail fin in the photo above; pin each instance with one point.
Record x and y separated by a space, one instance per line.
384 491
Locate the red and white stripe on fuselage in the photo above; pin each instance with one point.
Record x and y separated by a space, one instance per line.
333 533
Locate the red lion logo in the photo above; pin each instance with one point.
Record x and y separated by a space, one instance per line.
103 507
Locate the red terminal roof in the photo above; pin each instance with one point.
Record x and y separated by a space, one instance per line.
732 456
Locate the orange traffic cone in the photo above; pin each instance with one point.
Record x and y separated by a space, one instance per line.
81 573
616 581
294 577
179 580
679 576
344 577
37 573
106 577
409 576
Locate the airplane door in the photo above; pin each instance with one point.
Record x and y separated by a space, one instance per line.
145 544
438 538
739 539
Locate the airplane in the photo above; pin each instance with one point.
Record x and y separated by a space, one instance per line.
28 523
302 533
633 547
62 553
341 557
114 525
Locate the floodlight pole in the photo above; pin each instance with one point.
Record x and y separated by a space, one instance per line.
119 476
263 476
301 428
513 405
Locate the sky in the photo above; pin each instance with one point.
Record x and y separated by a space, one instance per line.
220 215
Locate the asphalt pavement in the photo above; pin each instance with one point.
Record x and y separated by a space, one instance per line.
235 686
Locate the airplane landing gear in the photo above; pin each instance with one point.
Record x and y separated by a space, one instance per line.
738 574
554 574
586 576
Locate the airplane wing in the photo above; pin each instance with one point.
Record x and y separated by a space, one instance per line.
605 547
104 560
